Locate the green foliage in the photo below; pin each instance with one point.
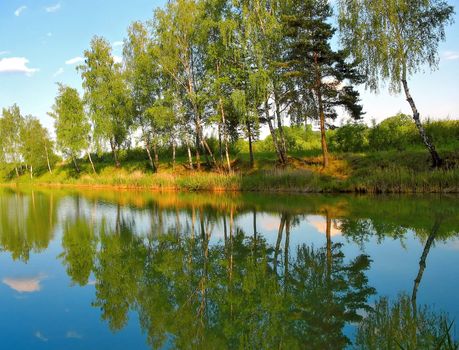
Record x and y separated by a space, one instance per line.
106 95
350 137
397 132
10 129
36 147
70 122
444 132
297 139
399 325
393 39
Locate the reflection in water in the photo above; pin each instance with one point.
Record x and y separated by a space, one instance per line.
398 325
200 271
24 285
405 325
26 222
422 263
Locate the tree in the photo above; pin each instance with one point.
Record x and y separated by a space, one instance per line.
311 60
10 126
36 146
220 26
260 50
143 77
393 40
180 54
71 124
106 95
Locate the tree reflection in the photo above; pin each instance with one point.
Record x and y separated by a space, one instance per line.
27 222
191 292
399 325
79 244
198 276
119 265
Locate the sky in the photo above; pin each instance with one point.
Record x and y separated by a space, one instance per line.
42 41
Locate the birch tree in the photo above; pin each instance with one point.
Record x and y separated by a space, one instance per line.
393 40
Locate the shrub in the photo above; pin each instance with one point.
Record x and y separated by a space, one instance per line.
397 132
351 137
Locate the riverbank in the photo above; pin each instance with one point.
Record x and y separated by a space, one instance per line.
382 172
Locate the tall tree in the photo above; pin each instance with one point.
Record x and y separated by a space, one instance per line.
11 124
106 95
144 78
36 145
317 66
71 123
180 52
219 30
262 42
394 40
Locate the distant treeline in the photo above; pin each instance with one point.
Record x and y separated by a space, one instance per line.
232 68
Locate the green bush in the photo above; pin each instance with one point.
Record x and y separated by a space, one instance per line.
297 139
351 137
444 132
397 132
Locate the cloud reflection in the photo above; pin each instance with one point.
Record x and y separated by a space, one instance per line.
24 285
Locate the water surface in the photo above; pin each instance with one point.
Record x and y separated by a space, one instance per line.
135 270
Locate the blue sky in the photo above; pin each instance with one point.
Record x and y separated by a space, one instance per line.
39 39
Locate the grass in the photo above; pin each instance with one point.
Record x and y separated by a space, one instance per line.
381 172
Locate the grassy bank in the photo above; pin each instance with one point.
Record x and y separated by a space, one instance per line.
381 172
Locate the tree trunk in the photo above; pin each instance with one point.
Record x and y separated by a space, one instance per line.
90 161
150 159
201 139
323 138
47 160
209 151
249 131
31 172
198 157
436 160
220 144
318 89
225 136
17 171
77 168
115 153
173 154
155 151
190 157
282 144
273 135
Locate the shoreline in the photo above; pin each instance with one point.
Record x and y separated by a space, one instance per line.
341 187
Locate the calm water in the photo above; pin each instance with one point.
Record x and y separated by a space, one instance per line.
131 270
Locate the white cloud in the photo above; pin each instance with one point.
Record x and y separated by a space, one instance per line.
16 65
451 55
117 44
53 8
117 59
58 72
73 335
19 10
75 60
4 53
40 336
